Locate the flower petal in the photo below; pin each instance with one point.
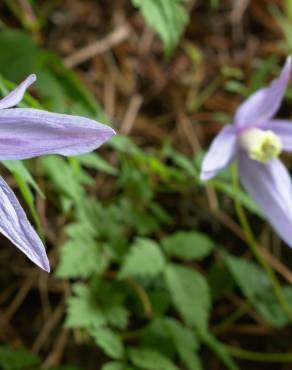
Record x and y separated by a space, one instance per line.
264 103
220 153
270 186
282 128
15 96
26 133
16 227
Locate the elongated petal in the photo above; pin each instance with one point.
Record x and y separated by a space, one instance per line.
264 104
26 133
220 153
16 227
282 128
270 186
15 96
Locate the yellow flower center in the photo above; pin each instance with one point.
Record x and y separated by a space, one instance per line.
261 145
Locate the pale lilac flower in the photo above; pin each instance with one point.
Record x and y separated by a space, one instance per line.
26 133
256 140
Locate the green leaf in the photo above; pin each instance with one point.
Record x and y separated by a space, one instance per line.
183 162
80 259
116 315
113 366
64 368
185 342
109 342
64 177
62 89
16 359
144 259
188 245
93 160
17 55
83 310
150 359
167 18
190 294
116 366
257 287
145 222
19 168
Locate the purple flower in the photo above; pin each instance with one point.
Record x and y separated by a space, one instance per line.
26 133
256 140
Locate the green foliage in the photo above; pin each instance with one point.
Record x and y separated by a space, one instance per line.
16 359
113 366
188 245
190 294
144 259
96 162
185 342
137 283
109 342
80 258
83 310
167 18
258 289
17 54
150 359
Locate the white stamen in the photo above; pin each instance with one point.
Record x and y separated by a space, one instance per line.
261 145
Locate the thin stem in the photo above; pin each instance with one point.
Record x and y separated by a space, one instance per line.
258 356
254 248
222 326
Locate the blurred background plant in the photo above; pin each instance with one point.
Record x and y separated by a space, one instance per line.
151 268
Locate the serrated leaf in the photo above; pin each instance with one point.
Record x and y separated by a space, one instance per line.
81 259
188 245
109 342
83 310
144 259
167 18
150 359
82 231
16 359
190 294
185 342
63 176
257 287
116 315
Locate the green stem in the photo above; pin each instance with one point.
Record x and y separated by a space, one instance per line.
222 326
253 247
259 357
